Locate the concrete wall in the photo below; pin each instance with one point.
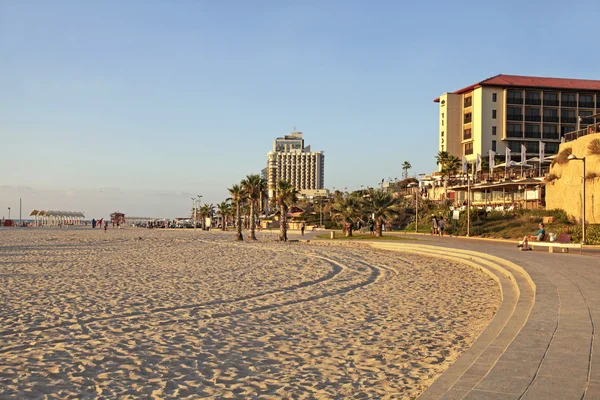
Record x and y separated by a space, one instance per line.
450 127
565 192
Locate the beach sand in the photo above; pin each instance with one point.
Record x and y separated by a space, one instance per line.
182 314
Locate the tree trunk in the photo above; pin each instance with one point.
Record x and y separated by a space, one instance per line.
283 225
239 224
252 234
262 206
379 227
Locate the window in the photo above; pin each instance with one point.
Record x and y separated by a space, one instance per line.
493 131
514 147
468 102
550 115
442 122
585 120
494 97
532 147
550 131
586 100
514 114
467 134
550 99
468 118
442 115
533 98
532 114
568 100
551 148
568 116
493 145
514 130
493 114
514 97
566 129
468 149
532 131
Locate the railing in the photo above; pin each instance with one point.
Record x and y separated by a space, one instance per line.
550 103
533 102
468 120
569 137
514 101
467 135
586 104
533 118
513 117
550 118
468 102
533 135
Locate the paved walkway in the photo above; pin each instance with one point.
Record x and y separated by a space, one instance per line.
549 353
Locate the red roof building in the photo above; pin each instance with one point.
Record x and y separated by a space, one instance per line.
515 112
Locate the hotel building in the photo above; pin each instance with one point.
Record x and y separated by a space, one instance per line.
291 161
508 110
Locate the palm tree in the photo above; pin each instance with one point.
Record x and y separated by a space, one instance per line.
237 196
224 210
262 194
251 186
405 167
285 196
347 210
206 211
442 158
384 206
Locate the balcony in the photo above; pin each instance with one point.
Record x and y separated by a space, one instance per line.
468 102
586 104
533 118
514 134
467 135
550 118
533 135
533 102
514 101
550 103
468 152
569 103
468 120
514 117
568 120
587 121
551 135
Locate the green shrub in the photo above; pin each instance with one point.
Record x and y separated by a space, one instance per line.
496 216
592 234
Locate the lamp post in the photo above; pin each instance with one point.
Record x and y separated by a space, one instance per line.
574 157
417 210
194 211
199 202
8 212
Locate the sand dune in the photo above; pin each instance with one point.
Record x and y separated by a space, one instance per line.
180 314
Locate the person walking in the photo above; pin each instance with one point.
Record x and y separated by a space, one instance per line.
434 226
371 225
105 225
302 227
441 226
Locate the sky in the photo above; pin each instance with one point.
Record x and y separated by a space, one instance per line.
138 105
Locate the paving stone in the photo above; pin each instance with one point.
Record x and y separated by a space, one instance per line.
556 388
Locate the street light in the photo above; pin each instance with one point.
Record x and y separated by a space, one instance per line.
194 211
574 157
8 212
199 202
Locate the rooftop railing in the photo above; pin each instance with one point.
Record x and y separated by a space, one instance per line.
588 130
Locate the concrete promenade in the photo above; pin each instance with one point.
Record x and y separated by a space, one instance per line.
545 348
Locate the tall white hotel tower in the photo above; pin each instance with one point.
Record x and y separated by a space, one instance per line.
291 161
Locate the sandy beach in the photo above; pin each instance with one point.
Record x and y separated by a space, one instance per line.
182 314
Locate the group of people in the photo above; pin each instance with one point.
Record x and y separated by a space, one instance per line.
437 226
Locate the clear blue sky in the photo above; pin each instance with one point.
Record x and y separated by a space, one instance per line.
136 105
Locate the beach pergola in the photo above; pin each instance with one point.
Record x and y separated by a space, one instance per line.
55 218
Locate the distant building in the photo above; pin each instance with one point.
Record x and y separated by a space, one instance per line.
508 110
291 161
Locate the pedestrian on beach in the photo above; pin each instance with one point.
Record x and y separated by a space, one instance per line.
441 226
371 225
434 226
93 223
302 227
105 226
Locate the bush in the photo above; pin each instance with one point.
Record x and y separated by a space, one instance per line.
496 216
563 156
551 177
592 234
594 147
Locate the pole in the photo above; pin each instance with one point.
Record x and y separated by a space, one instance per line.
417 211
20 210
194 213
8 212
583 202
468 205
